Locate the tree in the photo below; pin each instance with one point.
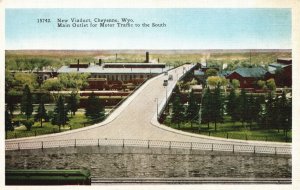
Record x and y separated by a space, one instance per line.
269 111
73 102
284 113
243 103
60 113
26 102
271 85
28 124
233 106
254 108
41 112
94 108
261 84
177 115
211 72
52 85
8 123
10 104
176 89
9 81
74 81
23 79
288 116
217 106
207 101
214 81
235 83
192 110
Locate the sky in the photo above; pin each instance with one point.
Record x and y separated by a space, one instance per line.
185 29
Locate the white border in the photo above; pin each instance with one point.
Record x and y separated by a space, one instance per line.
293 4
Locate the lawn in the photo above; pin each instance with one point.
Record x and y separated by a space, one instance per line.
77 121
232 131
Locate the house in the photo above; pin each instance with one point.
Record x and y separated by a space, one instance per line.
281 71
247 77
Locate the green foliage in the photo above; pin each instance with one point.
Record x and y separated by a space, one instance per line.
216 80
26 102
269 111
177 88
261 84
232 106
9 81
10 104
8 122
60 113
73 101
192 111
207 108
74 81
94 108
217 106
211 72
244 106
52 85
41 112
235 83
177 111
271 85
23 79
28 124
254 108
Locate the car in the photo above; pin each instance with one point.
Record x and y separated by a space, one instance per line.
165 73
170 77
165 83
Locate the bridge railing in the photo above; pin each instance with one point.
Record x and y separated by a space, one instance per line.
149 144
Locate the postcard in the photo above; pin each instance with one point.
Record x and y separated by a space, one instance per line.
150 95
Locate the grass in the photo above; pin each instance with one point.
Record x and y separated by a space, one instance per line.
77 121
233 131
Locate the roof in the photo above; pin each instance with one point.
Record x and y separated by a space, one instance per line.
284 59
224 73
278 65
101 70
198 72
255 72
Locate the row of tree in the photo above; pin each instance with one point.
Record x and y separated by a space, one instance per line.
66 81
269 112
94 109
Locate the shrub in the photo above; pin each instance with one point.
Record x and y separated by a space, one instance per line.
28 124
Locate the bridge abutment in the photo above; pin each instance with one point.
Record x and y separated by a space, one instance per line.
139 162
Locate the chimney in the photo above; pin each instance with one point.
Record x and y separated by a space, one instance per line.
100 62
77 65
147 57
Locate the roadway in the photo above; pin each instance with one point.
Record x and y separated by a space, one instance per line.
136 119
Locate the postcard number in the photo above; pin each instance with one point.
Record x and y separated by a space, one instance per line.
43 20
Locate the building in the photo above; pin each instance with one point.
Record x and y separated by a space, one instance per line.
247 77
281 71
115 75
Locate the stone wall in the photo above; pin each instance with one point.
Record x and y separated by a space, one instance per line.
110 162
